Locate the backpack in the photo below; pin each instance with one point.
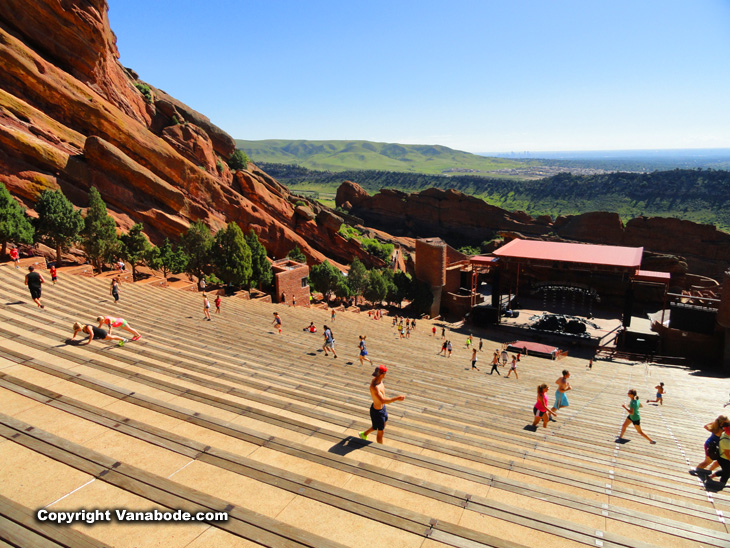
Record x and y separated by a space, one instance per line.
713 449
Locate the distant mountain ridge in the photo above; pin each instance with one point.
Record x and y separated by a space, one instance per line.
349 155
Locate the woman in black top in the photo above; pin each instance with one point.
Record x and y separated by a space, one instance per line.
96 333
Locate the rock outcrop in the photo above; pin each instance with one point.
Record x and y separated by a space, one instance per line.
72 117
670 245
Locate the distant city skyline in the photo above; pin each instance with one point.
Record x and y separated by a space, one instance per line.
478 75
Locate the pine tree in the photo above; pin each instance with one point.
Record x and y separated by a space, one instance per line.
297 255
231 255
14 223
166 258
99 236
135 247
59 223
357 278
260 265
196 245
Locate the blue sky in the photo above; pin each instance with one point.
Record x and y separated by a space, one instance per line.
481 76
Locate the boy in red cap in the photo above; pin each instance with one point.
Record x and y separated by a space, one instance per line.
378 413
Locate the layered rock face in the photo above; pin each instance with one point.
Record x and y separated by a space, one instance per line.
72 117
670 244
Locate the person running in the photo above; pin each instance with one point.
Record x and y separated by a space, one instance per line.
218 304
541 410
329 341
96 333
277 322
513 367
114 289
712 446
118 322
34 280
15 257
363 351
449 348
633 411
495 364
659 394
54 274
474 359
723 459
378 412
561 400
206 307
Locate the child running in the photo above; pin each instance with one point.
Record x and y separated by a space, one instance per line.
659 394
633 411
541 410
54 274
363 351
117 322
277 322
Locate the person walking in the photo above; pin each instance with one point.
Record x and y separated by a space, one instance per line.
443 349
449 348
474 359
206 307
217 304
54 273
495 364
712 446
34 280
541 410
201 285
118 322
363 350
329 341
95 333
332 317
659 394
561 400
277 322
505 357
633 411
481 344
443 333
513 367
468 342
114 289
433 331
378 411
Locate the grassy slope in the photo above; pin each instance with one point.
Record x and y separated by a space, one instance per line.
345 155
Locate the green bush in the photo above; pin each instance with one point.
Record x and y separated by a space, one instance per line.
238 160
145 90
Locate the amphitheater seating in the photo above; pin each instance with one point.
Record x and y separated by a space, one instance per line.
228 415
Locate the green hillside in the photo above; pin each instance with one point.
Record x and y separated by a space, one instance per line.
357 155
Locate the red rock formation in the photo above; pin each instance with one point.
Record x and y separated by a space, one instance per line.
670 245
71 117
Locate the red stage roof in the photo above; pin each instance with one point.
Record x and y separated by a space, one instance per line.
607 255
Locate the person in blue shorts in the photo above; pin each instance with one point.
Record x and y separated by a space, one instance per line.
363 351
561 400
378 412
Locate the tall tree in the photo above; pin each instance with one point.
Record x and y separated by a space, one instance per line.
99 236
196 244
135 247
377 288
326 279
231 255
357 278
14 223
260 265
166 258
59 223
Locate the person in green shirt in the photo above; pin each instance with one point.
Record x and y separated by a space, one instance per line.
633 411
724 461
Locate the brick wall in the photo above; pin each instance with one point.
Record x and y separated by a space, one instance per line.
288 283
431 261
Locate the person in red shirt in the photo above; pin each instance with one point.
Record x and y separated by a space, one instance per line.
218 304
15 257
54 274
541 410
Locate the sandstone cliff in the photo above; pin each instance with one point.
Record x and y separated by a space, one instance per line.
670 245
71 117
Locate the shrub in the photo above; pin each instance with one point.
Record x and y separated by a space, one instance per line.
238 160
145 90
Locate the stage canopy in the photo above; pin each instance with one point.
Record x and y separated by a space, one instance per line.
607 256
